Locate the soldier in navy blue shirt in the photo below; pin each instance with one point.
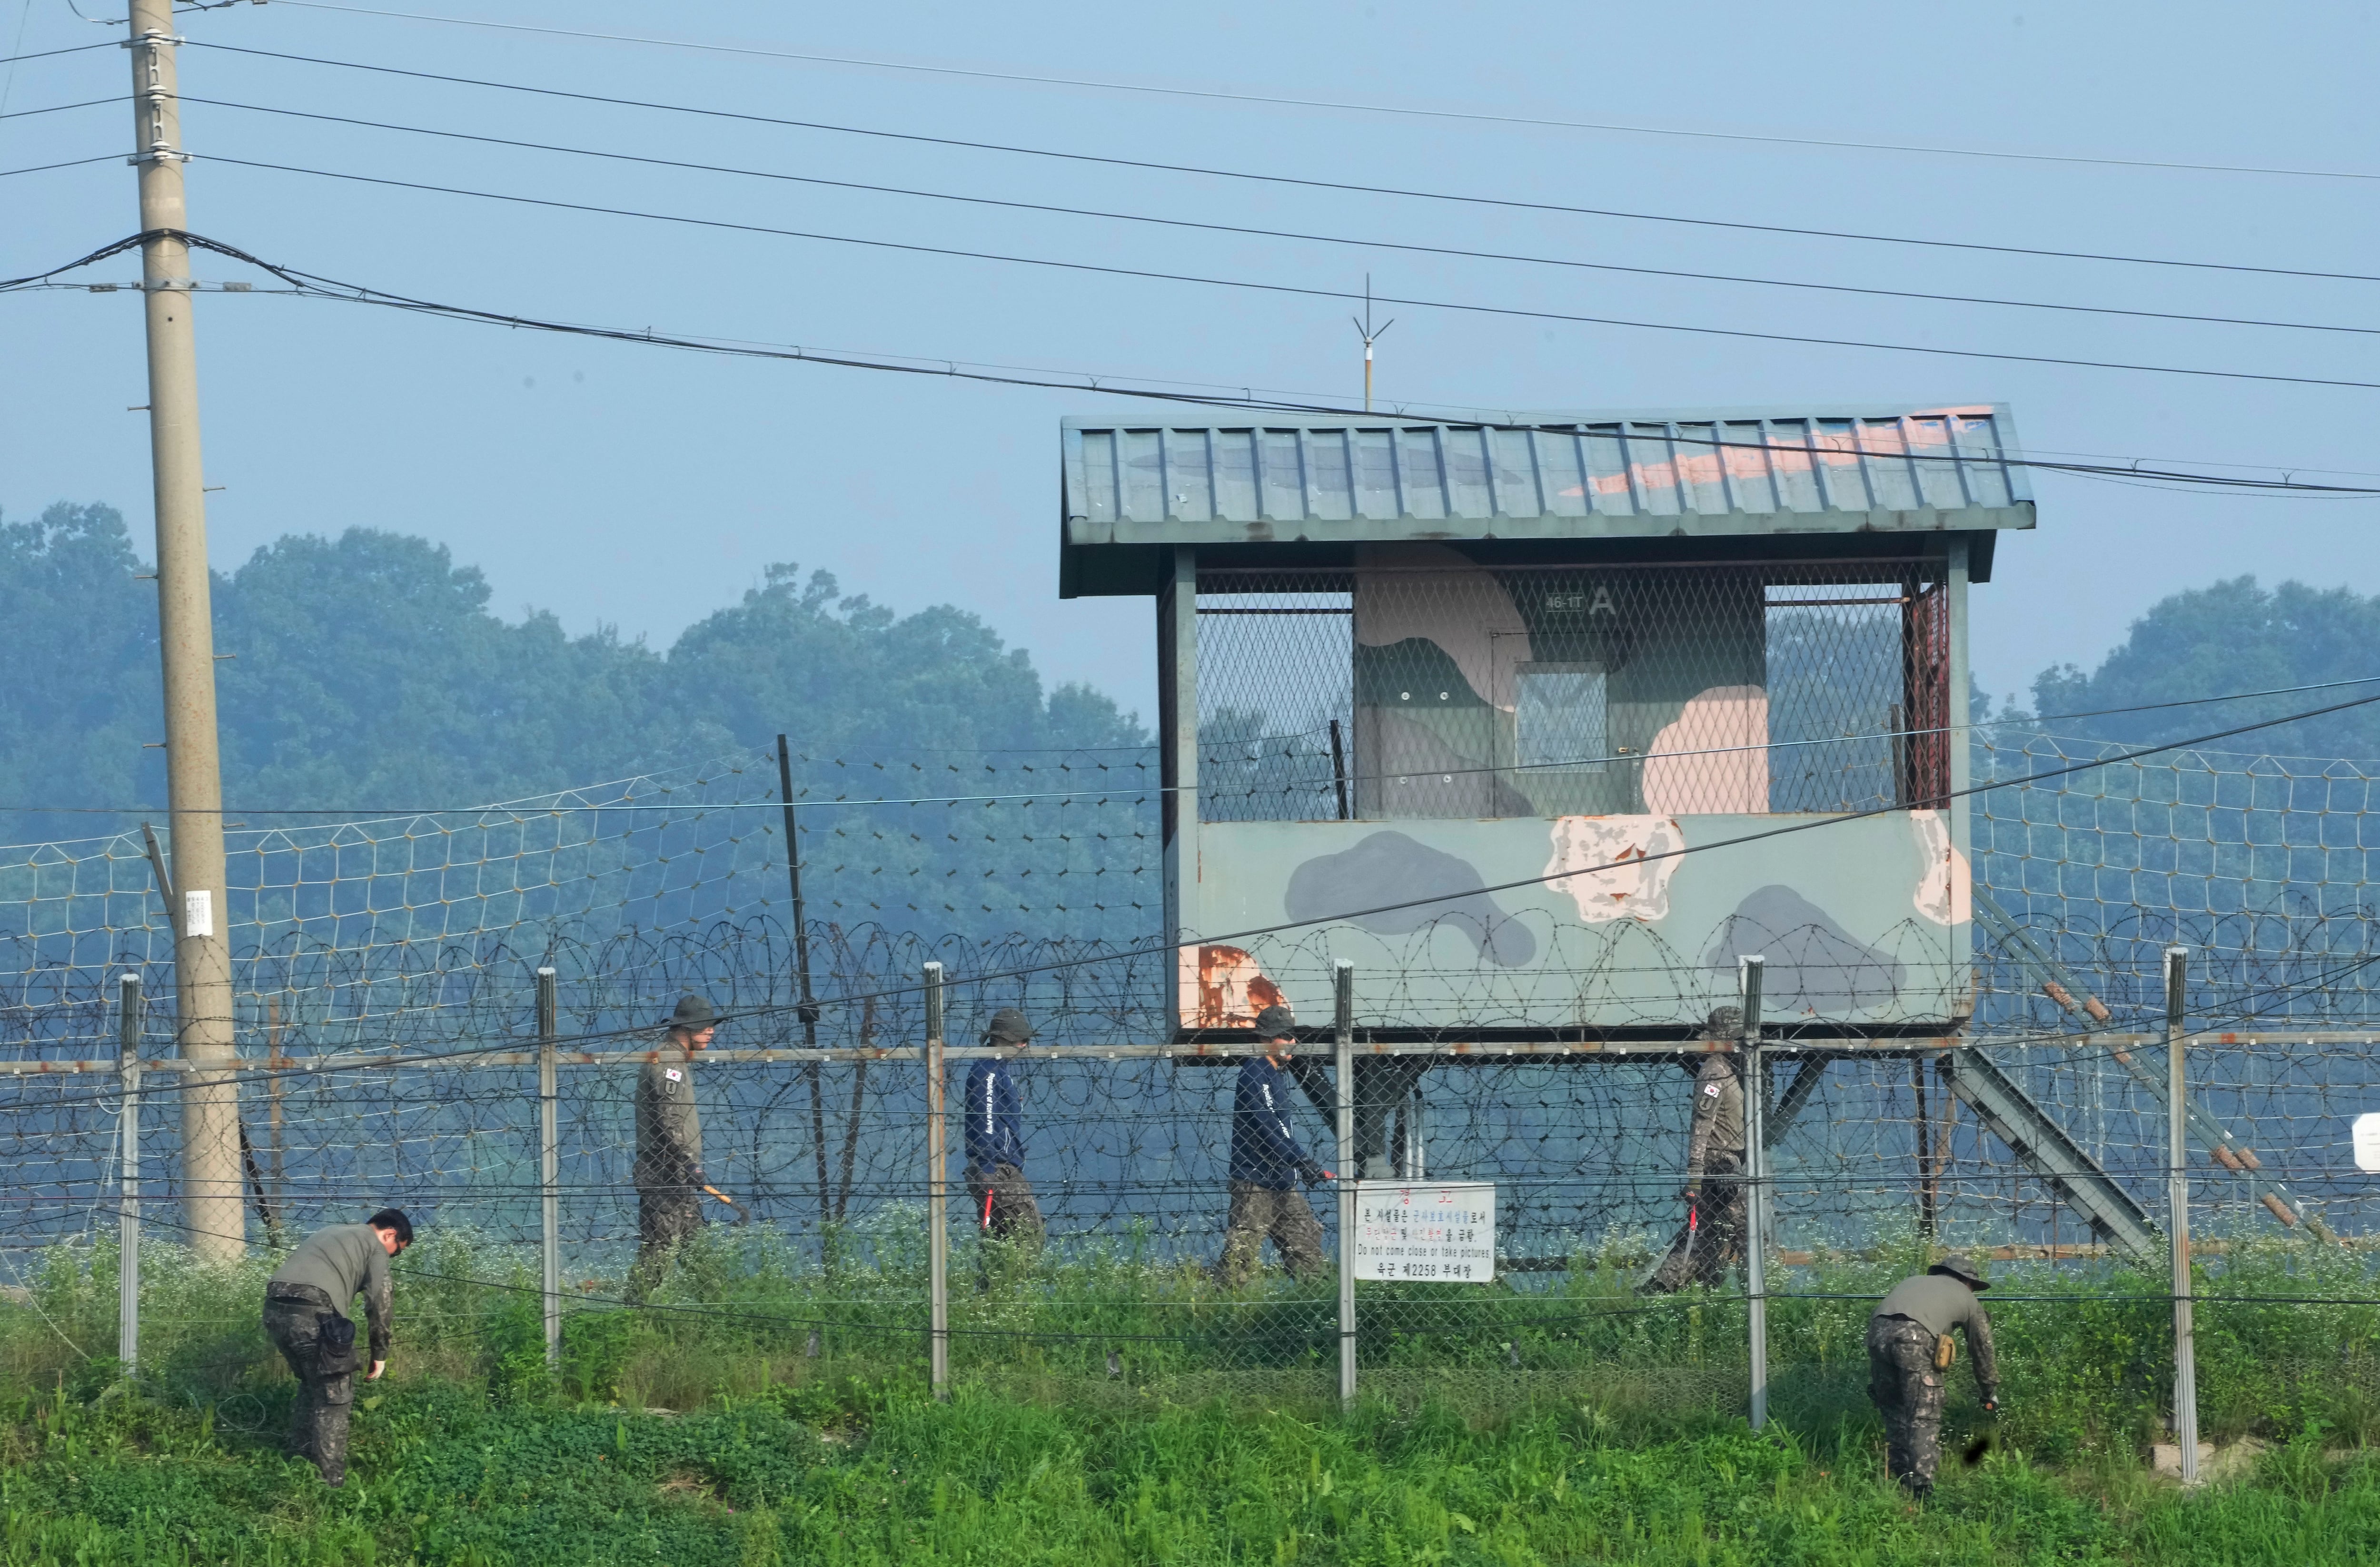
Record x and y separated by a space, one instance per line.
1004 1209
1267 1164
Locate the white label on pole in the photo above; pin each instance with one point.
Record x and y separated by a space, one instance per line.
198 913
2367 1141
1445 1233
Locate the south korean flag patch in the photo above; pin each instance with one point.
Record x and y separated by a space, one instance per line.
1710 1089
673 1075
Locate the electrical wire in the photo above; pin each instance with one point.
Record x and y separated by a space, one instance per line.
1345 186
70 164
51 53
1342 106
1240 937
1260 287
318 287
62 108
1141 791
1303 237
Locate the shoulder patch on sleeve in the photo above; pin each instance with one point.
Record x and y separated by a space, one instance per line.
673 1075
1710 1089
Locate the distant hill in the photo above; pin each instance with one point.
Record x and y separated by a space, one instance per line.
2233 636
367 672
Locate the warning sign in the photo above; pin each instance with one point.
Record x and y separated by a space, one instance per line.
2367 1144
1442 1233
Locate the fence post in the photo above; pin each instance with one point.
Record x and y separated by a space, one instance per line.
2177 1144
1344 984
548 1165
128 1213
938 1230
1755 1175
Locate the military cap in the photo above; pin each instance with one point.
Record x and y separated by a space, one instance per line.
694 1014
1008 1027
1725 1022
1276 1022
1962 1268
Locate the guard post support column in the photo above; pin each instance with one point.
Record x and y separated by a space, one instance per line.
1755 1178
938 1229
128 1212
549 1165
2176 1150
1344 980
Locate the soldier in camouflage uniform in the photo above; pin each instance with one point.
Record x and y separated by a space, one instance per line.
1910 1352
1712 1237
306 1317
668 1173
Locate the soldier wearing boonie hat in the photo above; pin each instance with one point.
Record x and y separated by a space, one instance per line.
1713 1234
1910 1352
668 1173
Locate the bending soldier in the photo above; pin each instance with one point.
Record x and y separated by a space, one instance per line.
305 1315
1266 1163
1712 1237
1910 1352
668 1173
1004 1206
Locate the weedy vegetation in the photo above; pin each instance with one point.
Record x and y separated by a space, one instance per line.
767 1406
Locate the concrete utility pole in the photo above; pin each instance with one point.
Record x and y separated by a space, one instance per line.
218 1226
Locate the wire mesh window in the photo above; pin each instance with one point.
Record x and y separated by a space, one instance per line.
1422 684
1558 716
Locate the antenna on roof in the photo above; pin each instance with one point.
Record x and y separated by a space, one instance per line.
1364 330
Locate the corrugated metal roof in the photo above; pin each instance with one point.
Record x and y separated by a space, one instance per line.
1754 471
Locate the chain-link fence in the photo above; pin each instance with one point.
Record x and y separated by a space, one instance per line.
405 1070
1422 687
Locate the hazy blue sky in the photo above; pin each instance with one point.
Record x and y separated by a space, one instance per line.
642 489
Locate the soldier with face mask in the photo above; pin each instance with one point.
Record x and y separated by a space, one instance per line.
1713 1235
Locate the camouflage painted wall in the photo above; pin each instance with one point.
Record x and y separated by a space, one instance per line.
1864 922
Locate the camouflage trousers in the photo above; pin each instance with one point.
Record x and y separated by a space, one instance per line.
1703 1251
1908 1392
665 1216
326 1384
1258 1212
1003 1205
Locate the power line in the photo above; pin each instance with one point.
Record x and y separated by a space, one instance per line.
1811 824
1286 233
1241 936
69 164
50 53
61 108
1345 186
1345 105
1256 285
313 285
1140 792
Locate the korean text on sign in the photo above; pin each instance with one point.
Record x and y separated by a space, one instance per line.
1443 1233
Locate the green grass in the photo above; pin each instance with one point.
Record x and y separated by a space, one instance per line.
1555 1420
441 1475
2086 1369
